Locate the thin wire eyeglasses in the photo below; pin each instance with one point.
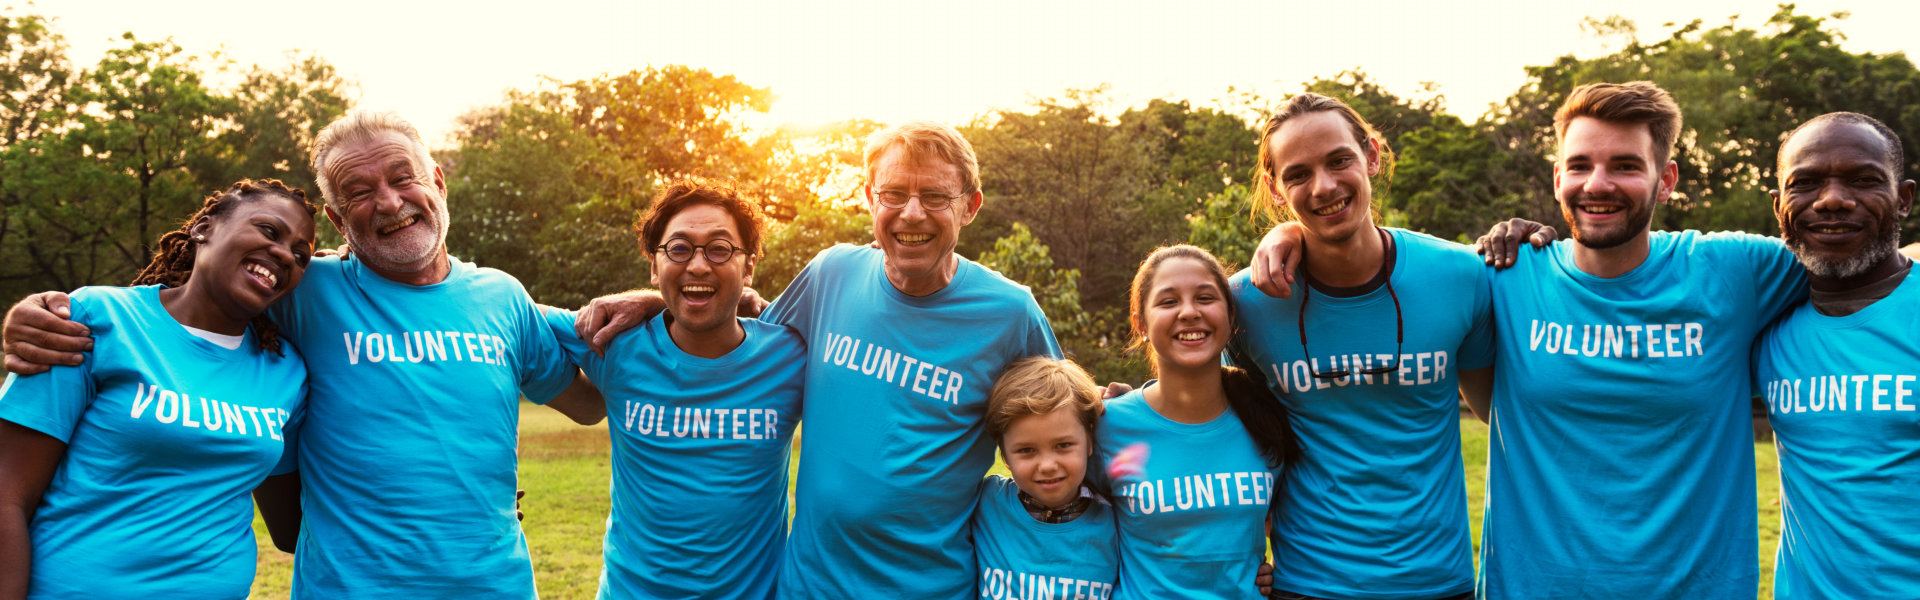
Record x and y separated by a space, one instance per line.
1399 335
717 252
929 201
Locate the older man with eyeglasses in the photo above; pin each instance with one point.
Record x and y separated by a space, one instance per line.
904 343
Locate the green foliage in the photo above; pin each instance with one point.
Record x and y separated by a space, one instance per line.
548 184
1740 90
789 247
95 164
1449 183
550 204
1021 257
1227 226
278 112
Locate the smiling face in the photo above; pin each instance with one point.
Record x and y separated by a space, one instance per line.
392 209
703 297
1839 203
1321 172
1185 316
919 243
1608 180
1047 455
253 254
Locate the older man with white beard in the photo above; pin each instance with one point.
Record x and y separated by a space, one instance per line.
406 461
1839 372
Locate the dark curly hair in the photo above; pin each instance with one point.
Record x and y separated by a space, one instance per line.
684 193
172 262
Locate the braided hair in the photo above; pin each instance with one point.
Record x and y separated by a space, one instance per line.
173 255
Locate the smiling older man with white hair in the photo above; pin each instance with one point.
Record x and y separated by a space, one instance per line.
417 360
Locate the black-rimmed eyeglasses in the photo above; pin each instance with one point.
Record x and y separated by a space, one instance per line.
1399 333
718 251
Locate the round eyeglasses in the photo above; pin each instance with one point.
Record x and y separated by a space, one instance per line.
717 252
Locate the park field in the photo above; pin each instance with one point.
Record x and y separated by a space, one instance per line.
564 469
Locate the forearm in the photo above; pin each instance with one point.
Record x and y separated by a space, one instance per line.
278 499
581 401
1476 386
16 551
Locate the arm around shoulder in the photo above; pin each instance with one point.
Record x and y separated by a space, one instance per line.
39 332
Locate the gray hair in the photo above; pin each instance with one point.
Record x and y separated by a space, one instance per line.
361 126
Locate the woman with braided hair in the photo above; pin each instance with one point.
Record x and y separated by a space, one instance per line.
128 475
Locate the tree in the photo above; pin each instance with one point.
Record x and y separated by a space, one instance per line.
789 247
1739 90
549 203
277 113
1021 257
34 77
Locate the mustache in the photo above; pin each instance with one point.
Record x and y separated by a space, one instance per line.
410 211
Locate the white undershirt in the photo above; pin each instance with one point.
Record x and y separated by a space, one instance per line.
230 342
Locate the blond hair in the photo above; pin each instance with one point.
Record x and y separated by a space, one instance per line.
1039 385
360 126
923 140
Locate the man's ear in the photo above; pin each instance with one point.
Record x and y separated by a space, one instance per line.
653 270
746 277
973 205
335 219
1904 198
1669 177
1373 157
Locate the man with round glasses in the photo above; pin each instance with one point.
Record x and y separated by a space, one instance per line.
904 343
704 405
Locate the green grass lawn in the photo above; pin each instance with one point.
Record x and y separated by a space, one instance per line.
564 469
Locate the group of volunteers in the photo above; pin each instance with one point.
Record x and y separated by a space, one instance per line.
368 402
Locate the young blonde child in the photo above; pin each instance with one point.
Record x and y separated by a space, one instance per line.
1044 533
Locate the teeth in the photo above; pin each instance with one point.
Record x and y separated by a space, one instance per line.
697 289
263 273
1331 209
397 226
1830 230
913 238
1601 210
1190 336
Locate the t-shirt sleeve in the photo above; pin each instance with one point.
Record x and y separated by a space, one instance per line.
1476 350
544 367
1040 339
290 435
560 321
794 307
1777 279
52 402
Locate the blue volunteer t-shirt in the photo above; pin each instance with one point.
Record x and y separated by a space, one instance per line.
895 444
1376 506
700 449
166 436
1842 396
1193 525
1621 458
1021 557
407 460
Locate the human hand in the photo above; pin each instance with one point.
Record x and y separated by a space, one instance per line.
1501 244
39 333
1277 258
608 316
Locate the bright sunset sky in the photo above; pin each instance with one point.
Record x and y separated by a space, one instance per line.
889 61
